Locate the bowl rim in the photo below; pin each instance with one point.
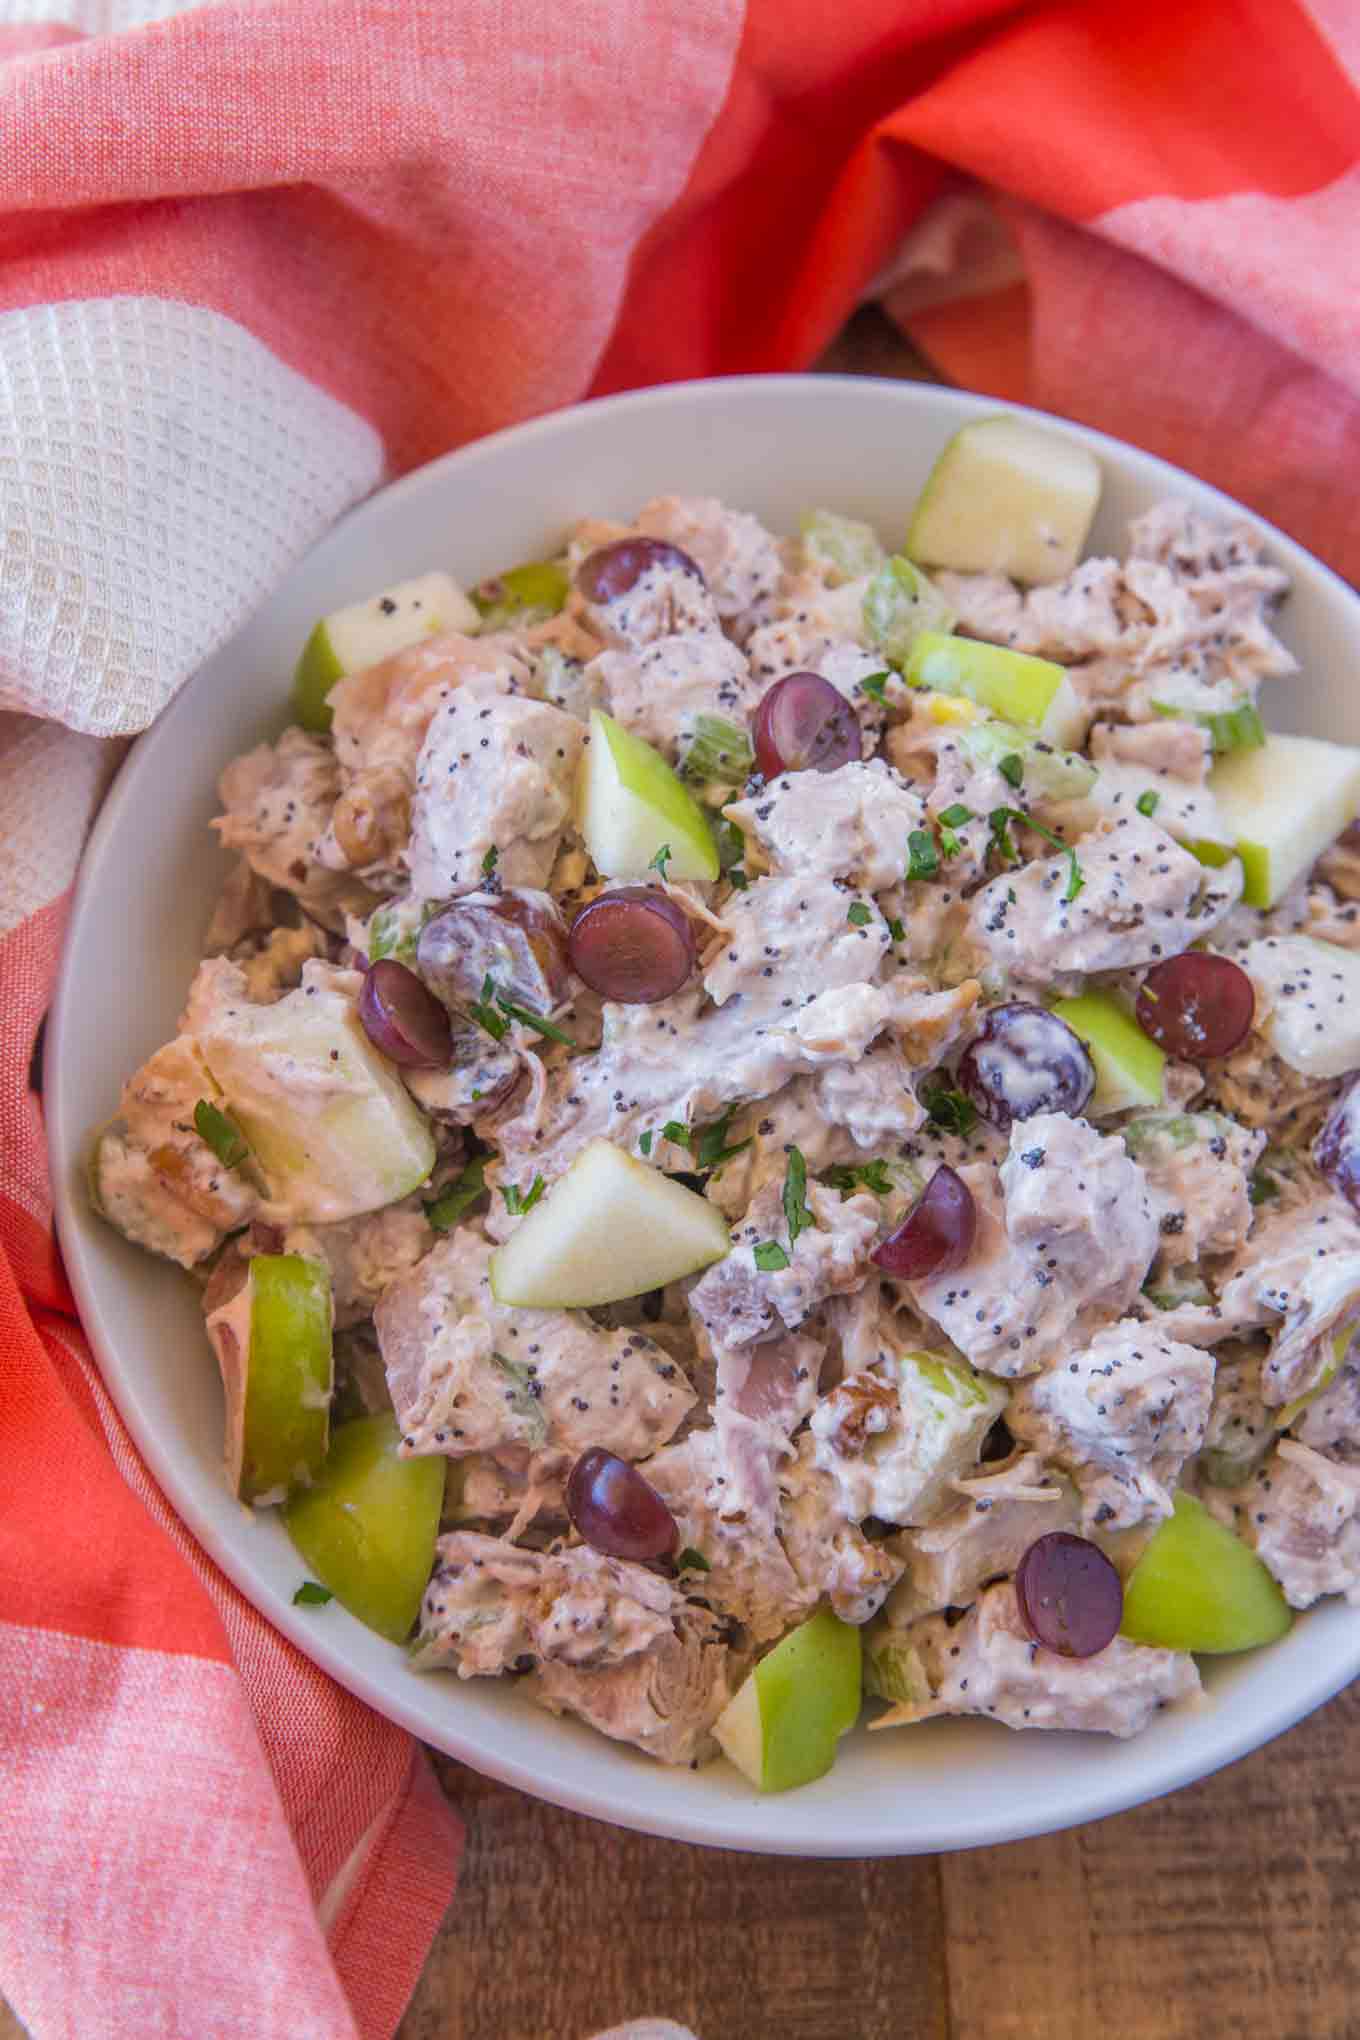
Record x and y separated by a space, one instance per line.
728 1825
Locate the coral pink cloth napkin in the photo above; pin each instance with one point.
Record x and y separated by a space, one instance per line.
254 259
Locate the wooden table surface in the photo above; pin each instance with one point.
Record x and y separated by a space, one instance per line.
1230 1910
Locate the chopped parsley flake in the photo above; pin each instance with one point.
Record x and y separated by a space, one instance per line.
311 1595
923 859
222 1134
1262 1188
1147 802
491 860
952 1111
897 931
1012 768
460 1197
485 1014
848 1177
645 1144
796 1209
875 686
859 915
711 1149
770 1257
1000 820
690 1560
954 817
660 861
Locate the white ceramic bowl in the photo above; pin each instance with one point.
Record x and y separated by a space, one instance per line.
774 445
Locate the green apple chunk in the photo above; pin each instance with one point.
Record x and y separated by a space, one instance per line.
522 596
366 1527
333 1129
633 806
1197 1587
611 1228
361 635
1128 1066
273 1345
1282 803
782 1728
1034 692
1007 497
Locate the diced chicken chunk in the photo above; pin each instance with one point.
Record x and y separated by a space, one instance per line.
152 1174
830 1555
999 1512
1122 1416
1065 1230
989 1664
1198 1167
738 557
789 941
895 1436
855 827
493 774
278 802
1301 1512
380 716
660 691
737 1300
609 1641
467 1374
1241 1430
1299 1276
1142 897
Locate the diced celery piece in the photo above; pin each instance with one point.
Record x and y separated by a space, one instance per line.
899 604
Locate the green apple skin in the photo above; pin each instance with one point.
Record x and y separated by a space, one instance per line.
611 1228
363 633
783 1726
286 1413
1007 496
366 1527
1020 688
633 806
1283 803
1128 1066
1196 1587
317 671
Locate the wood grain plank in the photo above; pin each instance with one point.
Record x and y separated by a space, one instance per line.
1230 1909
564 1926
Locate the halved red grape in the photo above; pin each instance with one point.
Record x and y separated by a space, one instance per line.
804 724
1196 1006
633 945
617 1510
614 570
1025 1060
403 1019
1071 1598
1337 1147
517 939
936 1235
